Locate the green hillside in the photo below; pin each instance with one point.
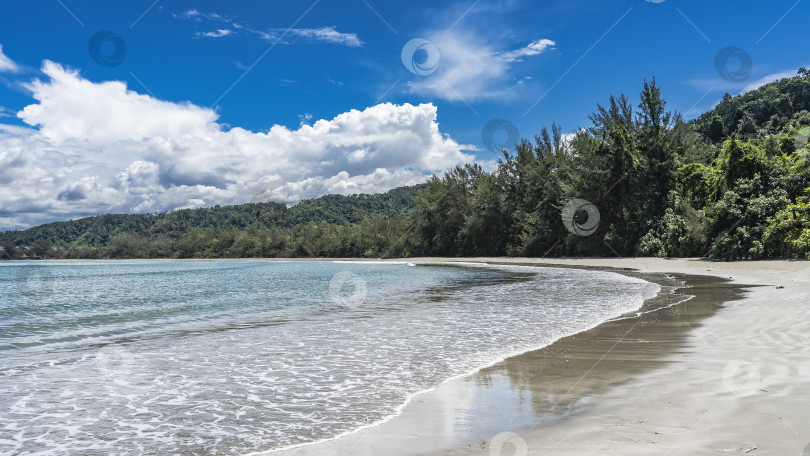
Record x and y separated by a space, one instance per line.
640 181
221 231
733 184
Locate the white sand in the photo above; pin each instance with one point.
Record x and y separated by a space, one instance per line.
740 385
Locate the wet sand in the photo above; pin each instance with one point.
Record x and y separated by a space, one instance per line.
726 372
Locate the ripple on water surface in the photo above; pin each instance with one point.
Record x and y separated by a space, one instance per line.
240 356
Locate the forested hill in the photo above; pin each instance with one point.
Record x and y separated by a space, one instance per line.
640 181
132 235
774 111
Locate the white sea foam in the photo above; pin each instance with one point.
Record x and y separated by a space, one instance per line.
247 357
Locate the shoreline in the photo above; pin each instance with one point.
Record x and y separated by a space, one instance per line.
661 299
653 349
725 372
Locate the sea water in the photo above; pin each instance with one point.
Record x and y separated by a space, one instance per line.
234 357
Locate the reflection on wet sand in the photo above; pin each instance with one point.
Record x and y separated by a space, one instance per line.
534 389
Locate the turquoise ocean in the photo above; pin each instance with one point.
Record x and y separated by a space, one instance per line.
234 357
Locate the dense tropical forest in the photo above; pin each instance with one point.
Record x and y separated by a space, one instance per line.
332 225
640 181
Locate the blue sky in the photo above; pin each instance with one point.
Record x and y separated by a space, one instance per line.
246 76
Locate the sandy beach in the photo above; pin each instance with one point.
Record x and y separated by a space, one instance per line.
725 372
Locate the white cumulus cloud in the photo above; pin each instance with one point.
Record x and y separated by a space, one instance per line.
99 147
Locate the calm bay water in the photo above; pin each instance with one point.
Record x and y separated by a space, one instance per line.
234 357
